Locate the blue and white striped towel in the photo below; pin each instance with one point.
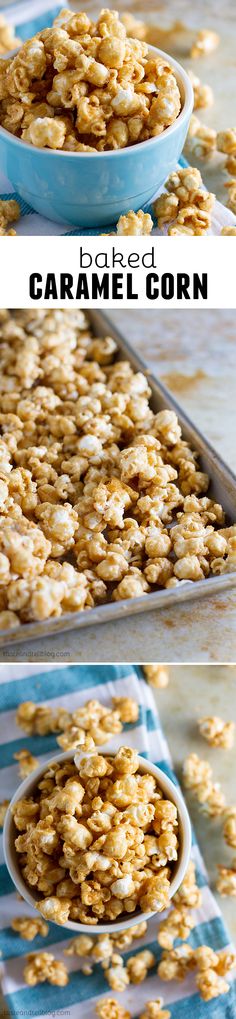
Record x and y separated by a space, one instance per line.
31 222
70 686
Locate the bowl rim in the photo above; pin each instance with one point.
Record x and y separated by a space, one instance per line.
170 790
187 108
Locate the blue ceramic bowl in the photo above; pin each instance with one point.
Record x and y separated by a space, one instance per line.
88 190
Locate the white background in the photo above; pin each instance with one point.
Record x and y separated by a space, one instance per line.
185 255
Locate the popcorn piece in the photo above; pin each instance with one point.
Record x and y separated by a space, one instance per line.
46 132
8 620
175 964
28 927
231 203
127 707
210 984
201 140
135 29
178 924
117 977
8 39
212 967
217 732
75 737
126 761
206 42
203 94
79 946
135 223
156 896
185 183
185 202
157 675
228 231
189 896
165 208
226 141
3 810
55 909
34 719
191 220
230 165
139 964
154 1010
226 882
27 762
43 966
132 586
197 776
229 829
109 1008
226 961
9 208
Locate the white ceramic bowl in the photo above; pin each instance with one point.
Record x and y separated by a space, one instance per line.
32 896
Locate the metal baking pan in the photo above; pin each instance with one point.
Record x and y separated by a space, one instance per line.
222 489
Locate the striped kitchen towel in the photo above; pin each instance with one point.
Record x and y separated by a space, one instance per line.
70 686
28 18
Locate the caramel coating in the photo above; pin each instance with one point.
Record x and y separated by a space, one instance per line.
82 86
101 498
85 841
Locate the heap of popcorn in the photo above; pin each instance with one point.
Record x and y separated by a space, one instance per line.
82 86
101 498
97 839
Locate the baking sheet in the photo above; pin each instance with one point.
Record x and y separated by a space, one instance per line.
222 489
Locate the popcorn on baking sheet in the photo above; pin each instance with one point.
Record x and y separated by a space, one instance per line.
101 498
